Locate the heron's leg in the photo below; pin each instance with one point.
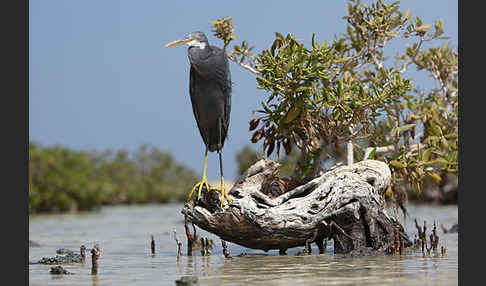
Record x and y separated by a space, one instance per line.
204 180
223 187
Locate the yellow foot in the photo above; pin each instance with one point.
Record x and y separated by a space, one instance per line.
224 195
204 182
199 186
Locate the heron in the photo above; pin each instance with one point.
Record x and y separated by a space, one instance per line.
210 92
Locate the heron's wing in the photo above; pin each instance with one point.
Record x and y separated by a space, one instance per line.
194 79
218 64
210 90
227 89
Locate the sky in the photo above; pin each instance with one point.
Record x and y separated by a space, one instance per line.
100 77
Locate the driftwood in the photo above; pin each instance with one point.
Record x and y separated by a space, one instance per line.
346 204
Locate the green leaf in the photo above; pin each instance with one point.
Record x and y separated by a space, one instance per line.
372 154
418 21
315 45
426 155
451 136
423 28
436 162
293 113
397 164
343 59
444 142
435 130
413 116
405 127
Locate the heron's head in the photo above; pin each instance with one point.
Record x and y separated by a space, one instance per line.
196 39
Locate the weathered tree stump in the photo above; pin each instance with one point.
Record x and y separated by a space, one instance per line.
346 204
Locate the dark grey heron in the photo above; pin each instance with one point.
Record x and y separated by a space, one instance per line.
210 91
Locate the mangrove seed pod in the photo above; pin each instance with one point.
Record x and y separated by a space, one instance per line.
257 135
254 123
270 148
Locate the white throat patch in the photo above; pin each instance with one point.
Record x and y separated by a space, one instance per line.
194 43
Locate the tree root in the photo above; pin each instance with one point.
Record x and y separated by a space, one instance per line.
346 204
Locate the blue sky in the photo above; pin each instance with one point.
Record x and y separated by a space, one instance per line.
100 77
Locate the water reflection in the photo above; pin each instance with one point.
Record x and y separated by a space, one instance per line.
319 269
125 259
94 280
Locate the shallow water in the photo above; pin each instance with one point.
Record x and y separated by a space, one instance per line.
124 234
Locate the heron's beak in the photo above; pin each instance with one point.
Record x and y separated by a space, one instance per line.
178 42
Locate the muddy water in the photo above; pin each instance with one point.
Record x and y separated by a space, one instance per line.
124 234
